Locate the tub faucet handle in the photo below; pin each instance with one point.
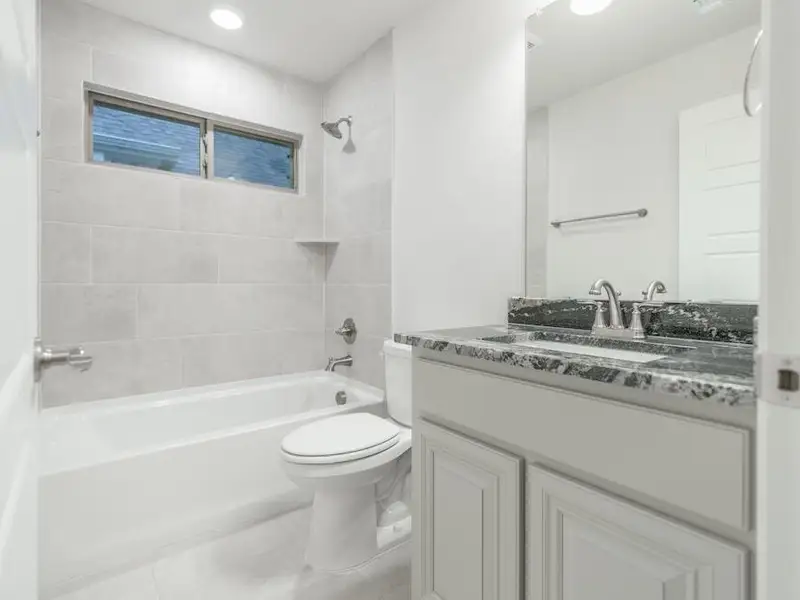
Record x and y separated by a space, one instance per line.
348 330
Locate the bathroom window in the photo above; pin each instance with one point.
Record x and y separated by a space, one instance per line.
125 135
139 134
244 157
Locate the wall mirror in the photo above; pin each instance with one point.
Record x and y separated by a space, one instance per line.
638 109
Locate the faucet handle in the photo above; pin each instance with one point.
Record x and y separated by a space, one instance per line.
348 330
599 315
636 318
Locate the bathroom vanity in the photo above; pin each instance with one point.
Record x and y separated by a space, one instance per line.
550 464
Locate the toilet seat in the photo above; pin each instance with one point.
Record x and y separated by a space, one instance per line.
340 439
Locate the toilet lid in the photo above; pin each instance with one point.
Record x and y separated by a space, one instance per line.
340 438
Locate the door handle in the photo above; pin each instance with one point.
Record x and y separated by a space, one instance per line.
47 356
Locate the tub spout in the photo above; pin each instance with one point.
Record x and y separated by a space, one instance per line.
344 361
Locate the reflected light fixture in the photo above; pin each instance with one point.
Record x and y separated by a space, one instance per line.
589 7
227 18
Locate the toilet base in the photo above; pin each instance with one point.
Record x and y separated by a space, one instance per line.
343 528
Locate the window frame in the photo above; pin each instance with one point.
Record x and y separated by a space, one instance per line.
207 122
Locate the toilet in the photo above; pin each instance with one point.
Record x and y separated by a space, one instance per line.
344 460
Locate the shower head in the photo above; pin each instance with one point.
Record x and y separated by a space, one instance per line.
333 129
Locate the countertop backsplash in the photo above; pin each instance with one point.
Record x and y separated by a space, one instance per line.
714 322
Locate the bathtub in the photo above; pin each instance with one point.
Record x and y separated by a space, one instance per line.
124 481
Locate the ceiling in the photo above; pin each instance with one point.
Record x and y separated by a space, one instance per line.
313 39
578 52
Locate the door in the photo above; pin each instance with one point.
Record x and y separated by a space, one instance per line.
778 436
586 545
469 518
18 296
719 206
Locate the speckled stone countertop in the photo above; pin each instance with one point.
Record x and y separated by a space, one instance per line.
699 370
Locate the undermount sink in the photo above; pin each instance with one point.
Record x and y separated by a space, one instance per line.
613 353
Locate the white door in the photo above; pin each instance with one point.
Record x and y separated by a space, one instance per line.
18 296
720 188
469 518
586 545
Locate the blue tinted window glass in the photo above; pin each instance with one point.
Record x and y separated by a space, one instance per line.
130 137
242 157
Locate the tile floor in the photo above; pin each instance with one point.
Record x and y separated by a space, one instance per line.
261 563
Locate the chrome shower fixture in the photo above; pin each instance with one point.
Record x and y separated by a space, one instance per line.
334 129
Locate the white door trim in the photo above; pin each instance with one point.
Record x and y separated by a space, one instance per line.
778 451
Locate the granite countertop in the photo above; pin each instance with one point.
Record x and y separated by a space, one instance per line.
694 369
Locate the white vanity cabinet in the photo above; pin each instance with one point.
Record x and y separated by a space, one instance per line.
610 501
587 545
471 517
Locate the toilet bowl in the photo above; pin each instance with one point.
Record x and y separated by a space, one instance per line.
341 460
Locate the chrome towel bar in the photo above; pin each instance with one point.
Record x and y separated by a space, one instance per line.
642 212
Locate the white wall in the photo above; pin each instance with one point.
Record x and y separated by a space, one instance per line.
458 212
169 280
615 147
537 210
19 408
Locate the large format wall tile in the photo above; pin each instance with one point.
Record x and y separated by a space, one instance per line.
362 260
213 359
88 313
144 256
62 130
120 369
67 65
66 253
108 195
255 260
369 305
364 212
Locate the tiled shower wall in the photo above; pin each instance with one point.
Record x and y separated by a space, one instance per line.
171 281
358 211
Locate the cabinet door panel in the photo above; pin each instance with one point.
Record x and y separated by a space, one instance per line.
586 545
470 518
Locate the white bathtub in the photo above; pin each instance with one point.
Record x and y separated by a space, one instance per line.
126 480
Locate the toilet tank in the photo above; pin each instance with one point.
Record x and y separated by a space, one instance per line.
397 362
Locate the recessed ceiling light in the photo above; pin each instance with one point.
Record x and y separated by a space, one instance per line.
227 18
589 7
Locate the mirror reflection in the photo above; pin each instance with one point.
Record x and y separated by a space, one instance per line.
638 109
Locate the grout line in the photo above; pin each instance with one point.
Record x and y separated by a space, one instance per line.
191 336
91 255
136 323
179 231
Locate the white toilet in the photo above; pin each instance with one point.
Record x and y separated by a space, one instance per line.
342 459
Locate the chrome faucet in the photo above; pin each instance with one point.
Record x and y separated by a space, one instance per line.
344 361
655 287
637 322
614 312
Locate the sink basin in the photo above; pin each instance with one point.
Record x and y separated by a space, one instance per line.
612 353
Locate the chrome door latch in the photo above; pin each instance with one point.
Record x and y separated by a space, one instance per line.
47 356
778 379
